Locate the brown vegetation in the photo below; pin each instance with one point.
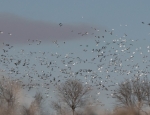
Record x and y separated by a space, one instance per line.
9 96
131 95
35 107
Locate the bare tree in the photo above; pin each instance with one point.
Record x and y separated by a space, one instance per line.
133 93
73 93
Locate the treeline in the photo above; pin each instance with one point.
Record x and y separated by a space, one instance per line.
132 97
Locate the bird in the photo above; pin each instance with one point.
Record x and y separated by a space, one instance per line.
1 32
9 34
60 24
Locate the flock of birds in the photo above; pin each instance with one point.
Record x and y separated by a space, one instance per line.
102 63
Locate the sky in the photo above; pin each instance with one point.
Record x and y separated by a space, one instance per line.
73 15
59 27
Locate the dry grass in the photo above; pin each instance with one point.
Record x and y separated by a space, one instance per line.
126 111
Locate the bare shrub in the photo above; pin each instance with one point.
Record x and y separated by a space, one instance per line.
35 107
9 96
